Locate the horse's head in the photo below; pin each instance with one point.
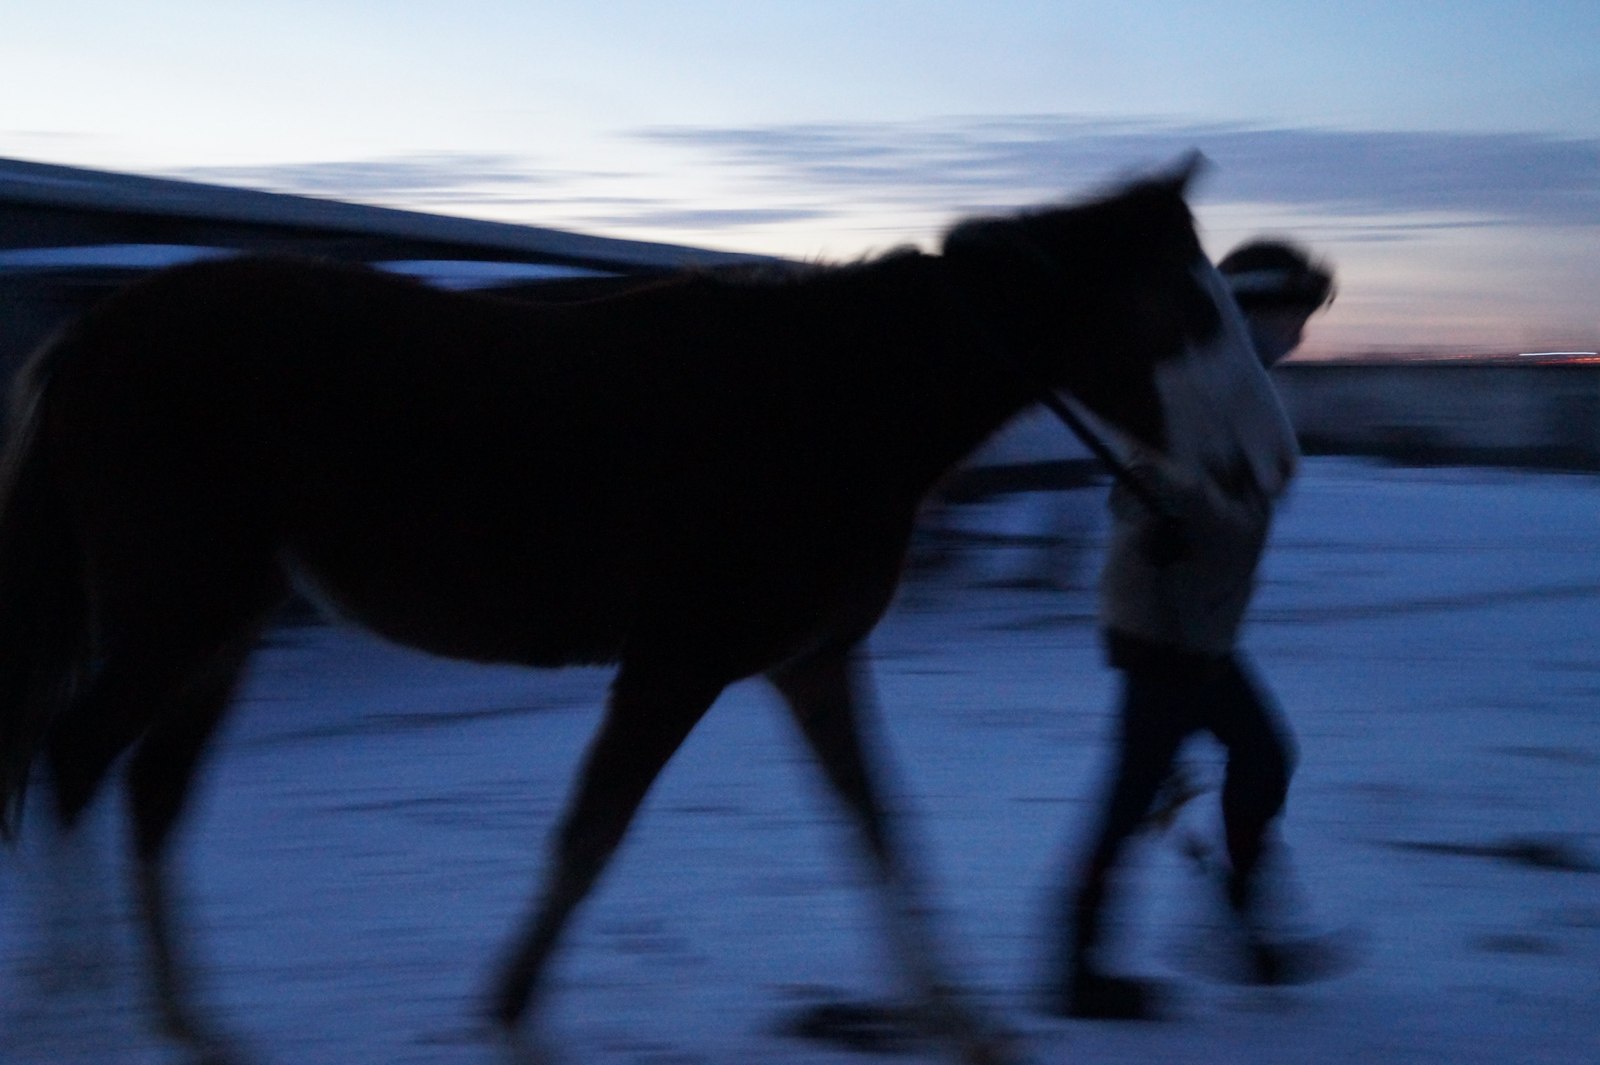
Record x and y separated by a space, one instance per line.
1114 302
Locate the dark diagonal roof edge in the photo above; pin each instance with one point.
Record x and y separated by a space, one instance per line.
48 185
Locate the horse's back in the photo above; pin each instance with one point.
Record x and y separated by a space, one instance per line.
476 477
354 429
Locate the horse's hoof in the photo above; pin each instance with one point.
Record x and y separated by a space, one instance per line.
891 1029
863 1027
510 997
202 1045
993 1048
975 1036
503 1016
217 1056
217 1052
981 1039
504 1011
514 1047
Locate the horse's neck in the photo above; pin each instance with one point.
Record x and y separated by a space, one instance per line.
950 384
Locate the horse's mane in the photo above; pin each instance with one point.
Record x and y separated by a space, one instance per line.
1147 217
774 274
802 273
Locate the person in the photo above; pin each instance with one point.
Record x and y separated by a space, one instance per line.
1170 616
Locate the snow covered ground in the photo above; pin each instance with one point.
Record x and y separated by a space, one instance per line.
374 823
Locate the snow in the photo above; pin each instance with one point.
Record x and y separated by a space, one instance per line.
106 257
470 274
373 823
444 273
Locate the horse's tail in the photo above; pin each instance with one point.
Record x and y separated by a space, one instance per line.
43 602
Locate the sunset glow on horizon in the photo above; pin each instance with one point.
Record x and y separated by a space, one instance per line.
1446 158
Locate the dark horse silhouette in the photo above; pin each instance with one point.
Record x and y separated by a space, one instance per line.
700 480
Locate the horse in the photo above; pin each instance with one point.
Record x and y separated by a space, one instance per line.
699 479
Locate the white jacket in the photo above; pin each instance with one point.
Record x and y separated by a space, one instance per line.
1196 603
1233 454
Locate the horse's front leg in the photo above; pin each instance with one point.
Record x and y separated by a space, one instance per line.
650 713
828 695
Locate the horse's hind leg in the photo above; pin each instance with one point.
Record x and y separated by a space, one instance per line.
827 695
95 729
172 640
649 714
159 779
170 698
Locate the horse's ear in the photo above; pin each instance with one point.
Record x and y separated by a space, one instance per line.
1182 173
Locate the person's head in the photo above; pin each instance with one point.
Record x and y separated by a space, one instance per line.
1279 287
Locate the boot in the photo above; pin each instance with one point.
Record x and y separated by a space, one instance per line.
1271 951
1299 959
1097 996
1086 992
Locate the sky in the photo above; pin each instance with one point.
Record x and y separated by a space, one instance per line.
1445 156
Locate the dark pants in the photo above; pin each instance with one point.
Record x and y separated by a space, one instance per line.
1168 696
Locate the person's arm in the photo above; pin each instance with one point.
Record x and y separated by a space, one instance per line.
1176 504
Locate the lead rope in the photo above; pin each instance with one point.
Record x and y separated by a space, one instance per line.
1167 541
1096 444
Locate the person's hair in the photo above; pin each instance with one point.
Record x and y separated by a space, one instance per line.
1277 275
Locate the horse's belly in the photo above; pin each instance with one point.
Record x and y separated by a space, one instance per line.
578 581
461 611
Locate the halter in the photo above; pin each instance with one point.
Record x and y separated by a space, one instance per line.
1166 543
1092 440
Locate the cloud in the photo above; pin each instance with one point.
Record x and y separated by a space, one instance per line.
1503 177
1385 185
462 180
667 217
436 178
